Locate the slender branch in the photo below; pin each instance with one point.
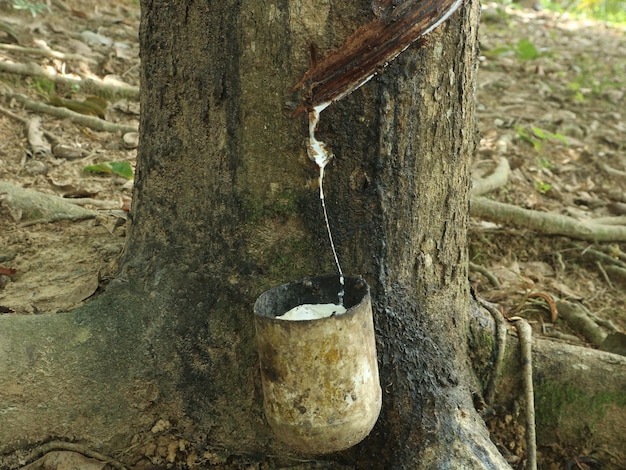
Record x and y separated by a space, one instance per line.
617 272
610 170
603 257
604 274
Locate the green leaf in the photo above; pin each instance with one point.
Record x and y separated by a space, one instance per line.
540 133
526 50
560 137
497 51
122 169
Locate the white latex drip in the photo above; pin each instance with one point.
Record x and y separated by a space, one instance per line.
318 152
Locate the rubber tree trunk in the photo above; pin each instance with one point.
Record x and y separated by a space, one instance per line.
226 205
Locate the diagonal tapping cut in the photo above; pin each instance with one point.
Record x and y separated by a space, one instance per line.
370 48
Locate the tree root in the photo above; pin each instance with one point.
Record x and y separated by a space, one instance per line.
47 53
30 207
495 180
80 119
87 83
552 224
602 229
51 137
610 264
73 447
493 280
578 318
524 332
500 337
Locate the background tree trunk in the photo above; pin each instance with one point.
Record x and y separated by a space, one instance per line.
226 205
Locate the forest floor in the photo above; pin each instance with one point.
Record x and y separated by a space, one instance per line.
550 101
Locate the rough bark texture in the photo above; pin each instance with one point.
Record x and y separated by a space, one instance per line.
226 205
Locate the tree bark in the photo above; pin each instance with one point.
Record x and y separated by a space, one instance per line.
226 205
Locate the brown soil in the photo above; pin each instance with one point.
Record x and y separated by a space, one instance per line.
574 90
557 116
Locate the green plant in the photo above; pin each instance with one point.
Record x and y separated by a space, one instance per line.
545 164
43 86
605 10
526 50
595 78
536 136
613 11
33 8
578 95
542 187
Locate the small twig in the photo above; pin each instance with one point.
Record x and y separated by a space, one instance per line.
559 260
74 447
604 274
600 256
520 305
493 280
617 272
550 301
524 332
80 119
501 332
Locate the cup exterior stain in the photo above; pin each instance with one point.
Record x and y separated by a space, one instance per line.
321 390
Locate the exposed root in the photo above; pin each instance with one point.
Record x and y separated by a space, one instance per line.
554 224
51 137
501 332
524 332
493 280
87 121
74 447
35 70
495 180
